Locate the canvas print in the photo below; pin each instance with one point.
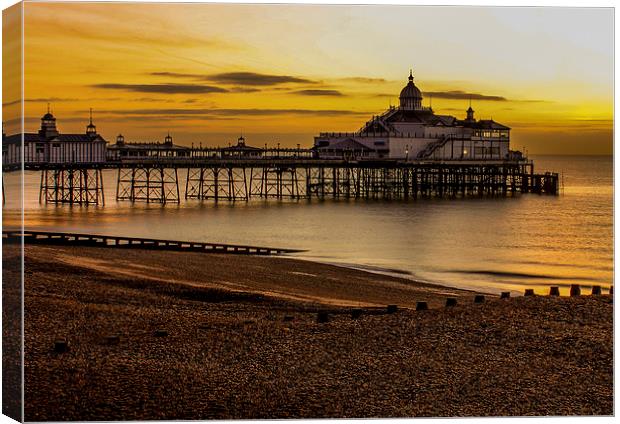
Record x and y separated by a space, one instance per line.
261 211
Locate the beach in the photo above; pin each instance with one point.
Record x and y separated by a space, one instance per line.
175 335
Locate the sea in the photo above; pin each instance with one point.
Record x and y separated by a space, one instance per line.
490 244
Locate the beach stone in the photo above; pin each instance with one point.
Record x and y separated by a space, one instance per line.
451 301
322 317
160 333
112 340
529 292
554 291
61 346
421 306
392 309
356 313
575 290
505 295
479 298
596 291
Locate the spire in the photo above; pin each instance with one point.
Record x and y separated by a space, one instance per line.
90 128
48 107
410 75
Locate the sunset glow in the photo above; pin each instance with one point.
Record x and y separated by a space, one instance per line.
283 73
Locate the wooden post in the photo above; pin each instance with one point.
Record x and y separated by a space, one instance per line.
596 290
322 317
421 306
529 292
479 298
356 313
61 346
554 291
505 295
392 309
575 290
451 301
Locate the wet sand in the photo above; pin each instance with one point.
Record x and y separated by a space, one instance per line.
240 339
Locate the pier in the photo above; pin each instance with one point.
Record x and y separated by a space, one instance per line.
294 176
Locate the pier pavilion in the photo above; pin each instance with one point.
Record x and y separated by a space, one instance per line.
49 145
412 131
136 150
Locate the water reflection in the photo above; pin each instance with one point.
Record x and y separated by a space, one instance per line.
491 244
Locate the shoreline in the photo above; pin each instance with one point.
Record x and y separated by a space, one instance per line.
155 342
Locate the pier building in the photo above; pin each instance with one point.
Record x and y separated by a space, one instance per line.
412 132
49 145
136 150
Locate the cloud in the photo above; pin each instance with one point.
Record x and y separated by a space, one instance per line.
364 80
176 75
164 88
235 112
335 93
41 100
462 95
252 78
244 90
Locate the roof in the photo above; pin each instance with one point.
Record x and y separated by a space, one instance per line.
347 144
146 146
239 148
484 124
60 138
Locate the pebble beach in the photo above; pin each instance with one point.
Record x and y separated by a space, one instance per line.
130 334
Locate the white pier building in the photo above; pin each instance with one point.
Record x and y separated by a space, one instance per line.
414 132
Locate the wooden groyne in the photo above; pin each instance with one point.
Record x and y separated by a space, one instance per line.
62 238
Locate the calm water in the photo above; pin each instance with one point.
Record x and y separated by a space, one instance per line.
489 244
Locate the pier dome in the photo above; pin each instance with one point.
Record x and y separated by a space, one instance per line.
411 96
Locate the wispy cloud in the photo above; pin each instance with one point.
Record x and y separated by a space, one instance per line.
334 93
244 90
236 112
463 95
164 88
41 100
254 79
364 80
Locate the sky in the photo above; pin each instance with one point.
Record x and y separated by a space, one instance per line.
208 73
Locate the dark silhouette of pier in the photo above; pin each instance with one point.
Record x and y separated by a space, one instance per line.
296 175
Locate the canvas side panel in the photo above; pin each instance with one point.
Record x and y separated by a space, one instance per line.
12 192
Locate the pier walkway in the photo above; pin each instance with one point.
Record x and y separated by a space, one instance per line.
156 179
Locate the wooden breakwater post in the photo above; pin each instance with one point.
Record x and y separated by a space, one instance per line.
356 313
322 317
554 291
575 290
504 295
596 291
450 302
421 306
479 298
529 292
61 346
392 309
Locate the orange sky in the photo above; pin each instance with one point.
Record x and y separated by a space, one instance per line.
283 73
